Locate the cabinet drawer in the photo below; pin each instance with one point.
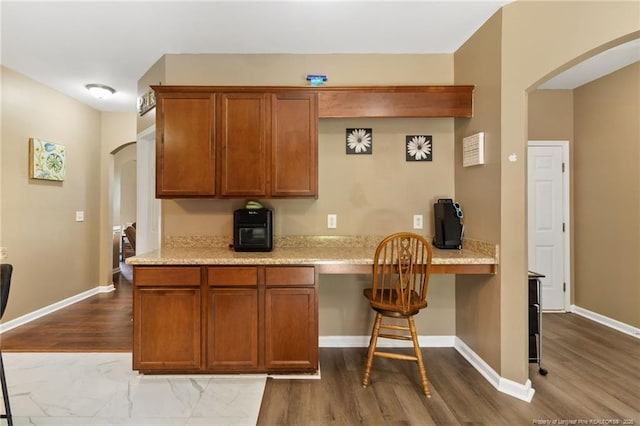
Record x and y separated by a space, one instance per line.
166 276
290 276
232 276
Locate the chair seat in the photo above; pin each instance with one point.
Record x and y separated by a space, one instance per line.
388 302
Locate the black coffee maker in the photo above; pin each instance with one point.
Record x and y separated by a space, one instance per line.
448 224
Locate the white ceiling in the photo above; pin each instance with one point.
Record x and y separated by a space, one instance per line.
66 45
595 67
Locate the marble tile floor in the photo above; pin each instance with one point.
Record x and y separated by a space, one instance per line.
68 389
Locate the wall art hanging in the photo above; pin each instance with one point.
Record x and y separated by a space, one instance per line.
146 102
419 148
359 141
47 160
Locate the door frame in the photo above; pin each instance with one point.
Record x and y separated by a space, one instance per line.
566 212
149 209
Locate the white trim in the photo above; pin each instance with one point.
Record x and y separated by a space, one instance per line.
10 325
148 133
363 342
566 207
149 208
313 376
523 392
609 322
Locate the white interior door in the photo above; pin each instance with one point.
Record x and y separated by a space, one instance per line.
148 209
547 221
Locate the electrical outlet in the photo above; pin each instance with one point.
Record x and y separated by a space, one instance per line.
417 221
80 216
332 221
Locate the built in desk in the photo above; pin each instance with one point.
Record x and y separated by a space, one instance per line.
209 309
327 258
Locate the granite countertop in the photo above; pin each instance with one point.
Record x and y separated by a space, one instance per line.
302 251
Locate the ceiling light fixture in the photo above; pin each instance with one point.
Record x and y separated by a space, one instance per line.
100 91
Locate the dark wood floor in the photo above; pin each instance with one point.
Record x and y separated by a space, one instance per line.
101 323
594 375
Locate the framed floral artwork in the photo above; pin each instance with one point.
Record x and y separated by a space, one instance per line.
47 160
359 141
419 148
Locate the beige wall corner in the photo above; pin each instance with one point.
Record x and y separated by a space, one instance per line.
54 256
477 188
154 76
550 115
522 56
551 118
529 56
117 129
607 196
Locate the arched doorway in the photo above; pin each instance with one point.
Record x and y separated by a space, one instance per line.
123 202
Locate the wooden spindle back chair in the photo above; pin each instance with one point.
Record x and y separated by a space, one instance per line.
401 269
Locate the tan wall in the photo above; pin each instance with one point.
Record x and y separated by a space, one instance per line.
551 118
528 56
372 194
54 256
124 187
117 129
477 188
551 115
290 70
154 75
607 196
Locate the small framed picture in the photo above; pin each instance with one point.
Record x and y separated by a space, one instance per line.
419 148
359 141
47 160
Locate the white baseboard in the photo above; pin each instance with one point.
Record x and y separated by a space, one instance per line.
521 391
9 325
517 390
609 322
363 342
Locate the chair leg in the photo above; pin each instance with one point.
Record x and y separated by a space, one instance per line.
5 395
372 349
418 352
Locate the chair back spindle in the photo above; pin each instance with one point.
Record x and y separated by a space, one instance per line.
401 273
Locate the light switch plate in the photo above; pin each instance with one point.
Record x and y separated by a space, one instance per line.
332 221
80 216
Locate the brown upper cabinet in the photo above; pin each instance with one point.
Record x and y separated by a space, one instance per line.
294 145
262 141
185 144
243 129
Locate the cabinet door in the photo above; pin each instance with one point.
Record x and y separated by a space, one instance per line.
291 332
232 324
166 329
185 145
294 148
243 134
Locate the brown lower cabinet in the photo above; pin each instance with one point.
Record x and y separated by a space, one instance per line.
291 341
166 319
217 319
